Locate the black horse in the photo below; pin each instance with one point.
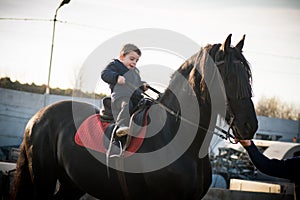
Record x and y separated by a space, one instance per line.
171 164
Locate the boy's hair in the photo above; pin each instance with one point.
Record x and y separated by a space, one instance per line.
130 47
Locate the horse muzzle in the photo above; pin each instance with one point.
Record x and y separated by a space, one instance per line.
245 131
245 122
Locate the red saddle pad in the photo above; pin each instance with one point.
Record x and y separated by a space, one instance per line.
90 134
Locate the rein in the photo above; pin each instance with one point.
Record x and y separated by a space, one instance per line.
226 134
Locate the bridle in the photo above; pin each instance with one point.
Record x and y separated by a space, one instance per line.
226 135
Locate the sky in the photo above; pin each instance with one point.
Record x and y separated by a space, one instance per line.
271 46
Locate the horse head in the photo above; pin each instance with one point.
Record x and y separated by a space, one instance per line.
221 73
236 76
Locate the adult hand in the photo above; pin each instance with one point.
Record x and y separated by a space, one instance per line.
245 143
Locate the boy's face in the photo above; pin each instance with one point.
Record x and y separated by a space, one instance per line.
130 59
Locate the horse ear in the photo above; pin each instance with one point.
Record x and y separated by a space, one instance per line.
226 45
240 45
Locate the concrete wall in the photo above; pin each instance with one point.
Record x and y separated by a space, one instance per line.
287 129
16 108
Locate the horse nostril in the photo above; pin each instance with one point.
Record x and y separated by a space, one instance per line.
250 128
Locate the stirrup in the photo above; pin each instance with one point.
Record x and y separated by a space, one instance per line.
116 150
122 131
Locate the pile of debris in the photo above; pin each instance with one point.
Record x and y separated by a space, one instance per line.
232 163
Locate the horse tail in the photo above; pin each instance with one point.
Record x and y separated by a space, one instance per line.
22 185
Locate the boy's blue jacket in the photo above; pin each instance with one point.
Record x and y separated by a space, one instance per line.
133 81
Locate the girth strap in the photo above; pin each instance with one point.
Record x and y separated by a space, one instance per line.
122 177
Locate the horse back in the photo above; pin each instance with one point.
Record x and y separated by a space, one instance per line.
50 123
37 166
50 120
52 129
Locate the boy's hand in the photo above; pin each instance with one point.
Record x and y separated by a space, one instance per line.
145 85
121 80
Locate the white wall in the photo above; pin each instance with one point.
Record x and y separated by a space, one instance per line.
16 108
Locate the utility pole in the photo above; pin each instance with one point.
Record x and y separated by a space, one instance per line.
52 44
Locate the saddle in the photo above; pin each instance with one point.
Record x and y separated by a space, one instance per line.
139 119
98 131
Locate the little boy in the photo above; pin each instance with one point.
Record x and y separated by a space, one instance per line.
125 83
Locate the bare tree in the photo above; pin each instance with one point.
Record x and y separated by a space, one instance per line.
273 107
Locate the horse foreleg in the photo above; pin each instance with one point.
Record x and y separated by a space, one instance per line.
44 187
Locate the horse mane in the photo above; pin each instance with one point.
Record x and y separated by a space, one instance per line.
194 68
244 81
193 71
241 68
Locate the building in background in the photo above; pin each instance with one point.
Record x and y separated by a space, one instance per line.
17 107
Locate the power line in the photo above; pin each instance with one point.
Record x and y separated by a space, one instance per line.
115 30
23 19
274 55
93 27
66 22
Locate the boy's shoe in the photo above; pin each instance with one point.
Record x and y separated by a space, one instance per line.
123 130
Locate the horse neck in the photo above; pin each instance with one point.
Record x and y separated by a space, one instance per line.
201 143
194 119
